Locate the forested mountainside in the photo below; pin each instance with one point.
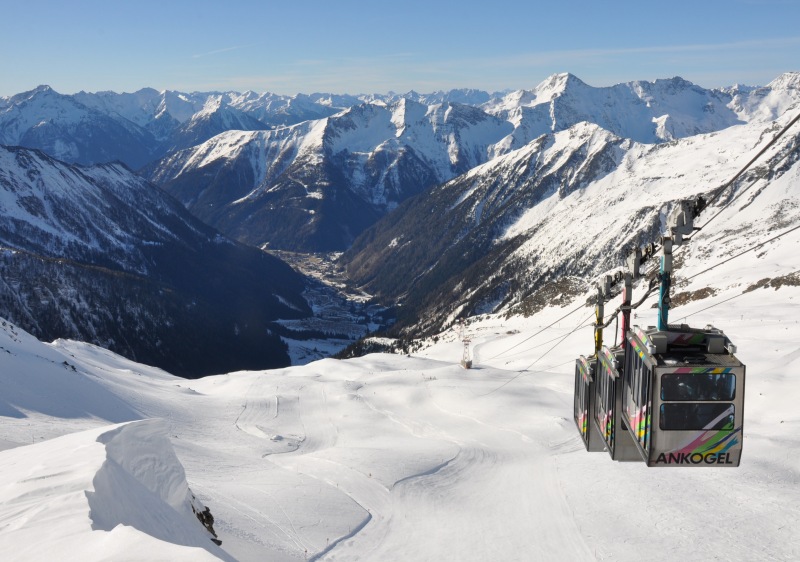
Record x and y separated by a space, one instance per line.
98 254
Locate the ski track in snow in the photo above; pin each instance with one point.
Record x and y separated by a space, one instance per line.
482 467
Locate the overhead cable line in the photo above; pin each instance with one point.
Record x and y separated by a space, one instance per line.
745 251
750 249
758 178
713 305
575 329
567 315
525 370
526 350
769 145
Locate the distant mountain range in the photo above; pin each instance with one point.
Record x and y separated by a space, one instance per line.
316 185
534 226
137 128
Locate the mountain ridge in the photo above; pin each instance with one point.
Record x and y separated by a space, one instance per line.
379 153
519 224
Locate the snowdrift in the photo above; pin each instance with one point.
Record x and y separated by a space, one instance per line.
113 493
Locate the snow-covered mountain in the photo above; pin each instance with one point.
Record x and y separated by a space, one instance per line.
214 118
647 112
544 219
277 110
136 128
98 254
68 130
316 185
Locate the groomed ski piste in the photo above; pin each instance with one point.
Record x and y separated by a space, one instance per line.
394 457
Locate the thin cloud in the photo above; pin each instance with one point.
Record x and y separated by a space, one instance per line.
217 52
722 63
549 57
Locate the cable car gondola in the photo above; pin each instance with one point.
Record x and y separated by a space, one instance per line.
585 395
610 423
683 396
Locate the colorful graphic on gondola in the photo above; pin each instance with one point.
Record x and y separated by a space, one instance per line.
640 351
607 424
640 422
701 370
583 422
678 338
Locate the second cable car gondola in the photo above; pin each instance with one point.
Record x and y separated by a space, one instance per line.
608 419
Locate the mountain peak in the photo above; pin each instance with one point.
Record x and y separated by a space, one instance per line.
786 81
211 105
674 84
41 90
557 84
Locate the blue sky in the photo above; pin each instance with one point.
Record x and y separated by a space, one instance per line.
347 46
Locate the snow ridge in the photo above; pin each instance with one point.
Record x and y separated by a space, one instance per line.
124 480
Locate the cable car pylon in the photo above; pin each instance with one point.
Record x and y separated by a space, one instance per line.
466 357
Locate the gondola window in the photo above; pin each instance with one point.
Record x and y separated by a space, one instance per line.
682 416
698 387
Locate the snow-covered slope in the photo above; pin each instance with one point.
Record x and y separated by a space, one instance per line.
567 205
114 493
81 489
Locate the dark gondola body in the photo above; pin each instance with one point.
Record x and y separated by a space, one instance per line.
683 397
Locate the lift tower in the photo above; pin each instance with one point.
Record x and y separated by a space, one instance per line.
466 358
